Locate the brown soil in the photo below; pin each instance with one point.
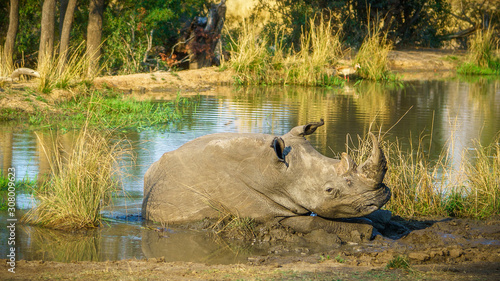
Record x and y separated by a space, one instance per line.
442 249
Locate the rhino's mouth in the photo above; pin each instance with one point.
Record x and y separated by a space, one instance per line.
381 196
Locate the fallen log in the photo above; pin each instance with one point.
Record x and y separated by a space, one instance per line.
21 71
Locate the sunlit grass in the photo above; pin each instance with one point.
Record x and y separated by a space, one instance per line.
113 110
481 58
373 55
64 71
259 60
6 66
421 186
82 181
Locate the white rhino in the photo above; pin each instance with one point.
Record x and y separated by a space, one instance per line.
263 177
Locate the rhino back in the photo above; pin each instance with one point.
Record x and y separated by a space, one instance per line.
211 174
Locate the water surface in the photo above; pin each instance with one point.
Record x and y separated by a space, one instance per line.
447 110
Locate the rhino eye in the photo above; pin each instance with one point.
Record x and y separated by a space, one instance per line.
332 191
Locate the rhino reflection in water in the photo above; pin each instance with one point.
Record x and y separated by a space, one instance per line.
263 177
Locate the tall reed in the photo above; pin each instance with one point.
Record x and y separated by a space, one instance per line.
257 59
64 70
422 186
6 67
481 194
481 58
481 47
373 55
82 181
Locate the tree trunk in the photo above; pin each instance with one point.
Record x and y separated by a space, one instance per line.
68 21
94 33
47 35
10 39
204 47
63 6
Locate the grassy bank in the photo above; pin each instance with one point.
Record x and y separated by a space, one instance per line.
424 187
482 56
108 108
258 59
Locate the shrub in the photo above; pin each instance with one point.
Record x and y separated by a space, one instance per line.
82 181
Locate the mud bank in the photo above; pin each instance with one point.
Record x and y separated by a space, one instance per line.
436 249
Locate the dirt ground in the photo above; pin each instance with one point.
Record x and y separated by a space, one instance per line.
435 249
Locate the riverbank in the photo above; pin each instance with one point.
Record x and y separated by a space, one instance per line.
435 249
21 96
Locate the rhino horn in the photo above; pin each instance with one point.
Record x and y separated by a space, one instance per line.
347 165
374 168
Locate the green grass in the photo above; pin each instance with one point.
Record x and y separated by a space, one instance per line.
110 110
25 185
399 262
481 58
82 180
373 55
120 111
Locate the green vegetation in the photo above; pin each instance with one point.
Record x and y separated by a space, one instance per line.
421 187
108 108
113 110
401 262
373 55
24 185
82 181
59 71
481 58
257 60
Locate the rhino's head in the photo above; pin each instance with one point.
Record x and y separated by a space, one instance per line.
329 187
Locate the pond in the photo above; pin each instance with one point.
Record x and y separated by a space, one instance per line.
439 111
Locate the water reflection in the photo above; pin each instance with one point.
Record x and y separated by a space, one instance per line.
456 110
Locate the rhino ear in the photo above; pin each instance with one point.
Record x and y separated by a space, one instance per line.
280 149
311 127
306 129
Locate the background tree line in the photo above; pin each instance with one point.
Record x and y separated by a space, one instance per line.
127 30
422 23
31 30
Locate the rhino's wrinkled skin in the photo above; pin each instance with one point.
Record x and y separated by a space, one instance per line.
262 177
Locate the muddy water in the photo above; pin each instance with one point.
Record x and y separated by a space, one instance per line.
449 110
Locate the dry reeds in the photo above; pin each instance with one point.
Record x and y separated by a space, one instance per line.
481 58
259 60
64 70
82 181
481 48
480 196
424 187
6 67
373 55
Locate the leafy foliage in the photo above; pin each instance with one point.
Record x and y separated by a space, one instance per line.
415 22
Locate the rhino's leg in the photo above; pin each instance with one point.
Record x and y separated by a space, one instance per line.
346 231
